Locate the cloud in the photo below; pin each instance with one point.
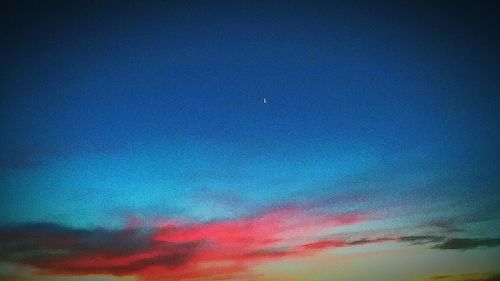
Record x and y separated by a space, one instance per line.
15 272
336 243
421 239
324 244
443 243
446 225
364 241
221 249
467 277
440 277
495 277
77 251
467 243
174 250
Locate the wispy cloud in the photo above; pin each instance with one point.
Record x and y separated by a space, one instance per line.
336 243
421 239
439 277
446 225
467 243
443 243
467 277
221 249
175 250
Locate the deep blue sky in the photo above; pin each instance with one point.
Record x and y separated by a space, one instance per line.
125 106
392 75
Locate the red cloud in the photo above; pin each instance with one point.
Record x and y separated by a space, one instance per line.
176 250
325 244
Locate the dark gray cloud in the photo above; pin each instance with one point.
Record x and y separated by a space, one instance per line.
421 239
495 277
369 241
467 243
47 246
61 249
443 243
467 277
440 277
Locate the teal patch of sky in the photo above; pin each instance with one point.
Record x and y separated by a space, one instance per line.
87 188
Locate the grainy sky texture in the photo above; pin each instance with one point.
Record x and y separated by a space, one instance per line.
136 144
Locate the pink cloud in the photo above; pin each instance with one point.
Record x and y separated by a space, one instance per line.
179 250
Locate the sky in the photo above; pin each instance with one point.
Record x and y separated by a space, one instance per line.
136 144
